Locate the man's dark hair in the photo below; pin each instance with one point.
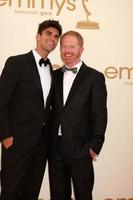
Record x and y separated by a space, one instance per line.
49 23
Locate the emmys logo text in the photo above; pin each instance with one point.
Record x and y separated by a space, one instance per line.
51 4
122 73
112 72
47 7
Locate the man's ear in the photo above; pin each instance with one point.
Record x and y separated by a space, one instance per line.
37 37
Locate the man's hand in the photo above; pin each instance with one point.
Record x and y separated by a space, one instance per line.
7 142
93 155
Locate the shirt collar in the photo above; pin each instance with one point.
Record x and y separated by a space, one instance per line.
36 55
78 65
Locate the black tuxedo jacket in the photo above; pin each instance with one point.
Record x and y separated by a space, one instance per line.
83 118
22 112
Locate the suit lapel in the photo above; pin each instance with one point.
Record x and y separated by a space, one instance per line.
76 83
36 77
59 86
35 73
52 86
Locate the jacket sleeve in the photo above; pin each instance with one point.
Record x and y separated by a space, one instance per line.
99 113
8 82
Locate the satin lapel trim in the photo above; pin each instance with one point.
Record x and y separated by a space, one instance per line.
52 86
35 74
78 80
59 91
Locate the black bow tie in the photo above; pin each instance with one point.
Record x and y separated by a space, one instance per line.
41 61
74 70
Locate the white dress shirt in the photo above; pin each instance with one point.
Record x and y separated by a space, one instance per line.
45 76
68 79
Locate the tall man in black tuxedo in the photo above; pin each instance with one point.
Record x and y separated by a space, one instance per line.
25 92
79 122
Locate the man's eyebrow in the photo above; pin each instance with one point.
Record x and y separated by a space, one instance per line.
51 32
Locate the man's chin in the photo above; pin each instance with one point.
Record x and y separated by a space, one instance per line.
67 61
51 49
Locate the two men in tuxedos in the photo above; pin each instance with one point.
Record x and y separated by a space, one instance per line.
25 93
79 122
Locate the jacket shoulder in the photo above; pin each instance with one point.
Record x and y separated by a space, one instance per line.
16 62
57 72
19 56
92 71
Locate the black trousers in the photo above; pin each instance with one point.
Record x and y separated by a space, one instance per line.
22 171
63 168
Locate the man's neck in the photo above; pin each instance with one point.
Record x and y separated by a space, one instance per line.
72 64
43 54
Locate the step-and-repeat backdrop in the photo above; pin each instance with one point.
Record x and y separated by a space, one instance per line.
107 28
